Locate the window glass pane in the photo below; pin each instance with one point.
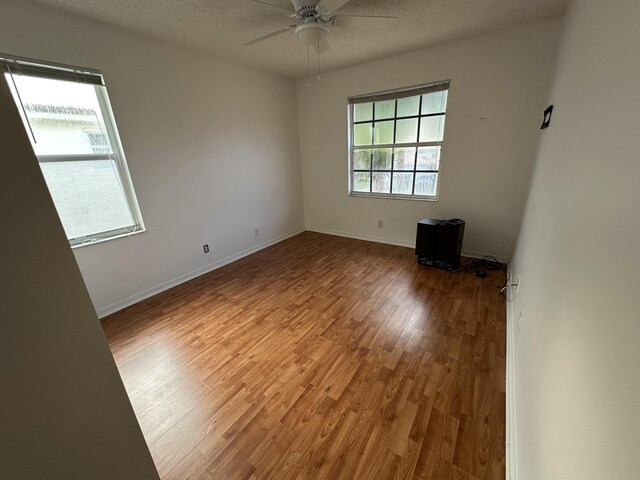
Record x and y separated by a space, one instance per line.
72 132
388 145
383 133
65 117
404 158
408 106
381 182
385 109
431 129
362 134
434 102
361 181
362 159
88 196
428 158
362 112
407 130
402 183
426 184
382 158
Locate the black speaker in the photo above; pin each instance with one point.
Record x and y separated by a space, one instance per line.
439 242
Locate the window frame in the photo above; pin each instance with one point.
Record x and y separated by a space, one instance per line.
12 65
395 94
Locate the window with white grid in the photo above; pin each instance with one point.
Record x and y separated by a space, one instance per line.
396 142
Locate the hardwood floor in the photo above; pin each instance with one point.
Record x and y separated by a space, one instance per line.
320 357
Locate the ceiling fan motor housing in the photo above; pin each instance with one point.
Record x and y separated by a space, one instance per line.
305 7
308 12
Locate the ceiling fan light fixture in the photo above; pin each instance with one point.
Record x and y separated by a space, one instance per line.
312 33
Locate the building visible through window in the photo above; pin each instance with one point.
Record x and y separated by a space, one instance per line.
68 118
396 142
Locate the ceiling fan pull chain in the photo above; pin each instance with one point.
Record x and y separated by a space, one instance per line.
308 67
318 39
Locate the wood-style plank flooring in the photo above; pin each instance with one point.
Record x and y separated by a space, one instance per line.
320 357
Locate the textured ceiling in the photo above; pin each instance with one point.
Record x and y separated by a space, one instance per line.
221 26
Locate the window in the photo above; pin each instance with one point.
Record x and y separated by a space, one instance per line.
396 142
68 119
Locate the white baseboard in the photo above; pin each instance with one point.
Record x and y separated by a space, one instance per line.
119 305
476 254
511 437
401 243
359 236
114 307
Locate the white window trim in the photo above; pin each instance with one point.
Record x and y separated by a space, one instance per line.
117 155
125 177
395 93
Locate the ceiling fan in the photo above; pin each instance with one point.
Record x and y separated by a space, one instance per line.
315 19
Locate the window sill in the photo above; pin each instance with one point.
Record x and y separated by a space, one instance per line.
394 197
106 239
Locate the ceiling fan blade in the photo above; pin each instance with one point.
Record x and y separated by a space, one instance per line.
273 6
269 35
332 5
363 21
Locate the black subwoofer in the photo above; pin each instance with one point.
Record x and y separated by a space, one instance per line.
439 242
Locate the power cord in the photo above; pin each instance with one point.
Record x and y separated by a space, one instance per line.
479 268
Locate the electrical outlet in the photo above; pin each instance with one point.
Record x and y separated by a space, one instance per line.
519 321
205 248
380 223
256 231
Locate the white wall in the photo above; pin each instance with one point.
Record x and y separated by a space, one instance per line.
503 76
65 412
212 148
578 350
